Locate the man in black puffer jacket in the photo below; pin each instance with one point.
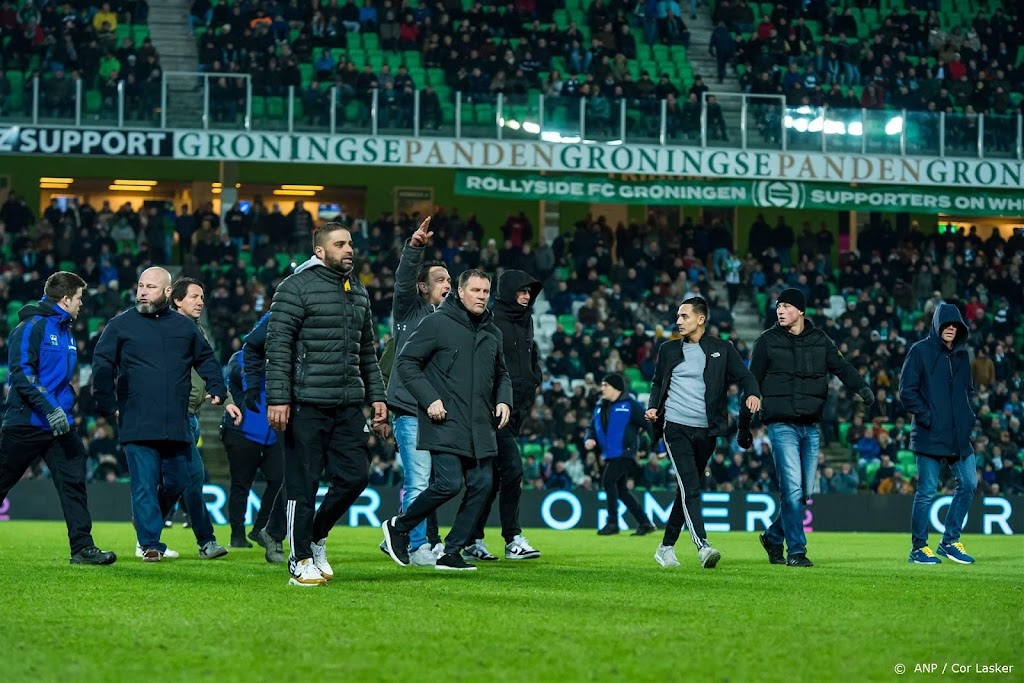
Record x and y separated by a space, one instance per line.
321 370
792 361
454 367
513 315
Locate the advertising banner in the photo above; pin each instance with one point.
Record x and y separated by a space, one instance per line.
85 141
777 194
520 155
563 510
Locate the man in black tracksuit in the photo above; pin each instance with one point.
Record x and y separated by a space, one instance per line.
454 366
792 361
252 446
513 315
321 370
689 398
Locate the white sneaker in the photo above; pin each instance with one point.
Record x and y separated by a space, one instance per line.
520 549
423 556
709 557
438 550
305 573
169 554
320 559
665 555
478 551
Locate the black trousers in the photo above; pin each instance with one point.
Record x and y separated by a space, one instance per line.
320 439
690 449
245 458
508 481
65 456
616 472
448 474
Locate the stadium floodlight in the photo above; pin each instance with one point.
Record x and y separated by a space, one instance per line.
315 188
135 182
54 186
130 188
295 193
56 180
894 126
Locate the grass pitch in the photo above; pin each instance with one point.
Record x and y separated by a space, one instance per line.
591 609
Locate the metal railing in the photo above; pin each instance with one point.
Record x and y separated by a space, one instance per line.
232 101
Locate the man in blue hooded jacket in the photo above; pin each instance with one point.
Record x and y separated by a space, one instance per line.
252 445
937 388
38 420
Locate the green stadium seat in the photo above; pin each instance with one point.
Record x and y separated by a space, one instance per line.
94 323
139 34
259 107
284 261
93 101
869 471
906 458
567 323
275 107
4 373
68 266
371 41
633 374
639 387
306 71
844 428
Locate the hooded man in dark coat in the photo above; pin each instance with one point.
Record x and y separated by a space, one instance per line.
454 367
513 315
937 388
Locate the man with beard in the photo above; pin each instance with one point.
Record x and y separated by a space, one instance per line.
454 366
142 376
513 316
321 370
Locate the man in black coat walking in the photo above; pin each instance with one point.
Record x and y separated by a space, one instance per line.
142 375
454 367
513 316
792 361
321 370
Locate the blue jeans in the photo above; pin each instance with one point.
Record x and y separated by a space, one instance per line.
966 474
159 475
192 500
795 449
416 468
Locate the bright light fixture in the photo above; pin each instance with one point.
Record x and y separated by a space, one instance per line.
130 188
54 186
302 187
135 182
294 193
56 180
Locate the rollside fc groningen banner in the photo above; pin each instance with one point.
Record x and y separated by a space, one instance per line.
777 194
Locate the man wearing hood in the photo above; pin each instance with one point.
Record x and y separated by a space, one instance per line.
454 366
141 374
321 370
937 389
791 362
37 422
513 316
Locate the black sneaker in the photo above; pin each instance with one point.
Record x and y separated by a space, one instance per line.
256 537
453 562
396 544
799 560
774 550
644 529
608 530
93 555
239 541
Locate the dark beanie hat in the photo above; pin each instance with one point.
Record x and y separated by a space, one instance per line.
793 297
616 381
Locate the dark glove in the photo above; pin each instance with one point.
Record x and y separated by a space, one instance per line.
252 400
58 420
745 439
867 396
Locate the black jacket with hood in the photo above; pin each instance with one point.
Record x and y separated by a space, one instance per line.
320 344
793 373
516 325
451 357
937 388
408 308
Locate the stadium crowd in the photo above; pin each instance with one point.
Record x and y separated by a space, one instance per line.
601 315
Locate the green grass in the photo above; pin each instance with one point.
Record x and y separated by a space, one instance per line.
591 609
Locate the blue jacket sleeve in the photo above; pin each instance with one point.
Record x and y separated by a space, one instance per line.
23 360
910 388
254 355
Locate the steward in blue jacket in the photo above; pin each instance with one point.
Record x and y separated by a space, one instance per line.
254 446
38 420
615 428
